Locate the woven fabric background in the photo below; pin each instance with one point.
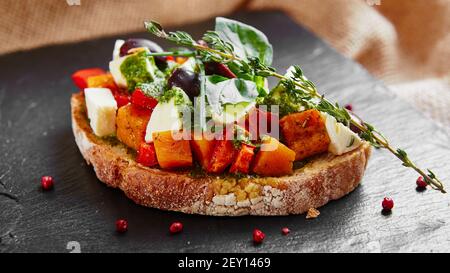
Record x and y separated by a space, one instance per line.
406 43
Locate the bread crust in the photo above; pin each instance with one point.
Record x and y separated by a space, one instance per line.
324 178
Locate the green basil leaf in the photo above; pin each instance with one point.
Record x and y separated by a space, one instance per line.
248 42
216 79
230 91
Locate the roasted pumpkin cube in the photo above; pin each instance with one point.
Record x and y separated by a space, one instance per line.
305 133
80 77
172 153
203 149
105 80
243 160
131 125
273 159
222 156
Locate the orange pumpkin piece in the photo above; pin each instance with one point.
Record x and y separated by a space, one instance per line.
305 133
104 80
172 153
203 150
222 156
131 125
273 159
243 160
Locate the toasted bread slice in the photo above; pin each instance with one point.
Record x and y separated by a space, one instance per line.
323 178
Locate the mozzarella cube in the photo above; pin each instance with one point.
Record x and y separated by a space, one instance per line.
165 117
117 45
189 64
101 107
120 79
342 139
114 68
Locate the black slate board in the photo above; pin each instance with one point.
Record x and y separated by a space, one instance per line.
36 140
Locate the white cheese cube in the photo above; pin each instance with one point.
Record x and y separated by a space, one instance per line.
189 64
342 139
120 79
101 107
114 68
171 64
165 117
117 45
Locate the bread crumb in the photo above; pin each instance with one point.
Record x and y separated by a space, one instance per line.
312 213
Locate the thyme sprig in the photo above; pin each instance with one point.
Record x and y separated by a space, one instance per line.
172 53
223 52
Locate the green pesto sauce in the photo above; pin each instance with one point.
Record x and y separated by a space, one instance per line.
176 93
153 89
134 69
300 164
112 140
288 102
236 176
198 172
241 137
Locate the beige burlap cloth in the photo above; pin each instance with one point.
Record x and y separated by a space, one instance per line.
406 43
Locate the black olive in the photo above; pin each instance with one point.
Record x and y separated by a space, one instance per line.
186 80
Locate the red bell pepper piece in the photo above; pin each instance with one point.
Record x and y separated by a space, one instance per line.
80 77
222 156
138 98
146 155
243 160
121 99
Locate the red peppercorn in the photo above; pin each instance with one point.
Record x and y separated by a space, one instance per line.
47 183
121 225
285 231
258 236
176 227
421 182
387 203
349 107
